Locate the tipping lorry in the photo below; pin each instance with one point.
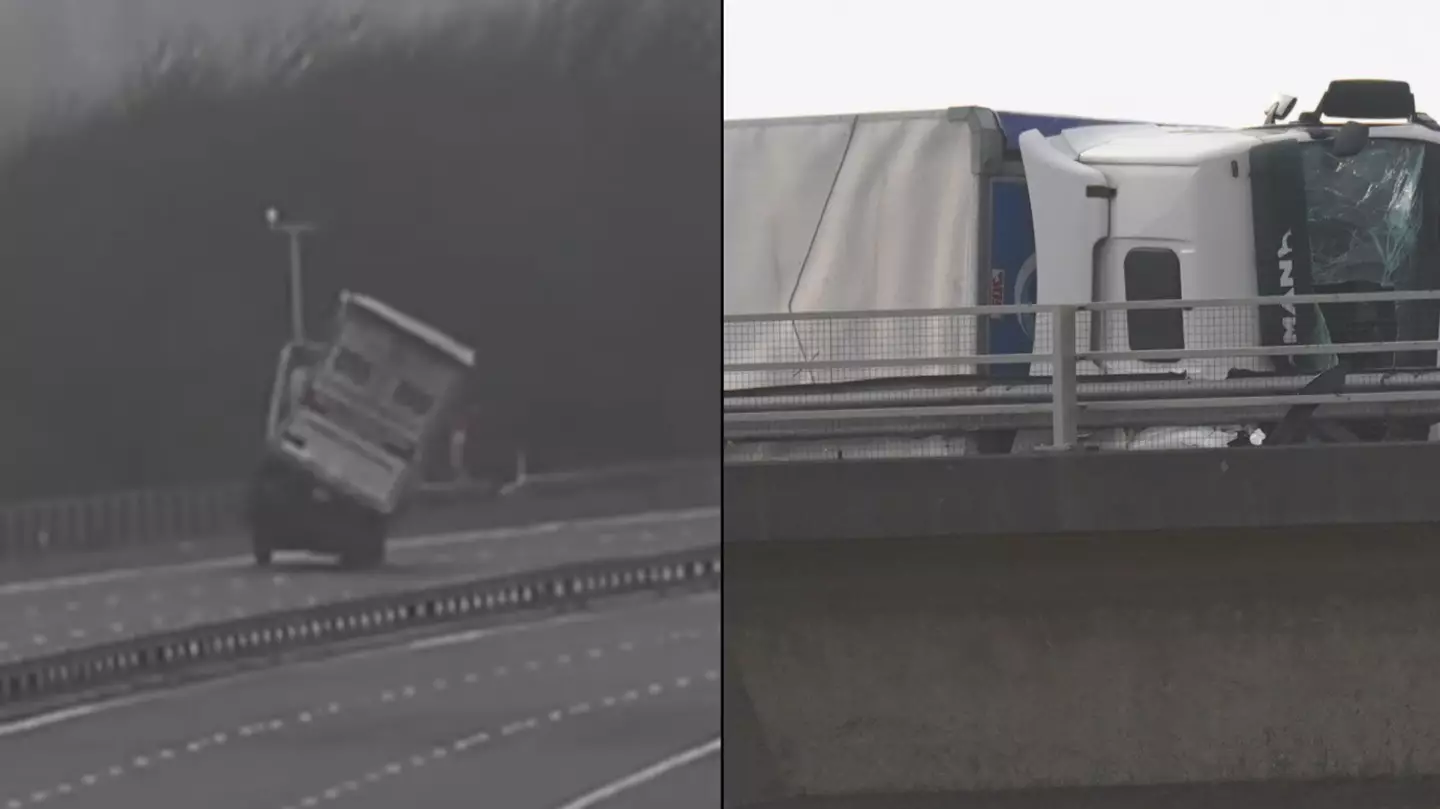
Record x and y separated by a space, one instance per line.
1335 201
349 443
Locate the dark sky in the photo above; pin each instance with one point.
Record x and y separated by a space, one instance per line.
537 179
55 51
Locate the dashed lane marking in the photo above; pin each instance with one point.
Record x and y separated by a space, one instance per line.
526 725
403 693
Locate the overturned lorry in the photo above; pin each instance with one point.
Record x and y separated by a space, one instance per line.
1088 213
1009 632
345 449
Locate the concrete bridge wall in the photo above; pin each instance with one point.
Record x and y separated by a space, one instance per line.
906 627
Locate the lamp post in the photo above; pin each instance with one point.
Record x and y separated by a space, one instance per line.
295 231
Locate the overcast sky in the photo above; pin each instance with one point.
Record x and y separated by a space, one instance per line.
1215 62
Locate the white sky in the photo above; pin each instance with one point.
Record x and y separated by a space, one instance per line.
1213 62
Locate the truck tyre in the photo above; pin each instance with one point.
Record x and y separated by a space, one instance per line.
374 554
368 548
264 554
264 513
264 524
364 556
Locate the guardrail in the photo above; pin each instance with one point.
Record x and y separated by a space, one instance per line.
123 663
150 517
1131 364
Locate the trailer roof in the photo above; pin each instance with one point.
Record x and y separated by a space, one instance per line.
1011 122
418 328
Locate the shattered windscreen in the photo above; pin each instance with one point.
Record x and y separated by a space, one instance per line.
1364 212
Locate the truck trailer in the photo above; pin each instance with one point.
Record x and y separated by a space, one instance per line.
342 456
1333 202
878 211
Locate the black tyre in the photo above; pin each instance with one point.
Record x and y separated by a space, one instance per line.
263 526
368 548
265 512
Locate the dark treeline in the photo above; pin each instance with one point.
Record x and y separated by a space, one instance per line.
541 182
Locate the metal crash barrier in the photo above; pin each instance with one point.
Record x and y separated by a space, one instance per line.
568 587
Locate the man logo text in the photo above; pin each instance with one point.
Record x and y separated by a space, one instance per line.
1287 286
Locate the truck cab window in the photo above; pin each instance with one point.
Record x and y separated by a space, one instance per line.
1153 274
1363 213
352 366
412 398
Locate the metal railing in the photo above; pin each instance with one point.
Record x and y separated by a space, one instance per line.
149 517
1093 367
141 517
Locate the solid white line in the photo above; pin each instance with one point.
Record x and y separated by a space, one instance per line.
415 543
646 518
472 635
66 715
644 776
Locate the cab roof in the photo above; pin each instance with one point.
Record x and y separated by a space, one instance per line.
421 330
1148 144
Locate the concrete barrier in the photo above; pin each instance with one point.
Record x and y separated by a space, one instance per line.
1084 491
918 628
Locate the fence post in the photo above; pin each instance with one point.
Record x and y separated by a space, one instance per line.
1063 409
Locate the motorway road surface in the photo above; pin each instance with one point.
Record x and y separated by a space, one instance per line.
46 616
618 709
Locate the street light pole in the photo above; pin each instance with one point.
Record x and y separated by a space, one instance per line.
295 231
297 286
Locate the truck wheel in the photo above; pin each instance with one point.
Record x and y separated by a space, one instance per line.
374 555
265 513
364 557
368 550
262 538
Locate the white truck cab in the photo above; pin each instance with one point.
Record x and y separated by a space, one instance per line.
830 223
1139 212
343 455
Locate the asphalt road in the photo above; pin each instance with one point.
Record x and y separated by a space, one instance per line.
46 616
585 710
684 786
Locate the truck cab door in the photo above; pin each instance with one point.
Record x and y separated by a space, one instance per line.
1070 209
1070 206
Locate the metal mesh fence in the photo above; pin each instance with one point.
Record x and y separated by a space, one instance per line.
126 520
117 520
1142 375
828 349
147 517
